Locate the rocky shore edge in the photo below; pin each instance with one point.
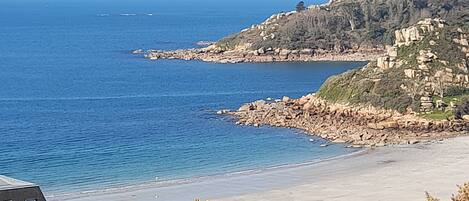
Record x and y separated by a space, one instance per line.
358 126
262 55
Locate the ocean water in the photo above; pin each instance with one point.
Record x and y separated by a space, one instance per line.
79 112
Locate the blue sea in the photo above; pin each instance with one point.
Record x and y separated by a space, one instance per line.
79 112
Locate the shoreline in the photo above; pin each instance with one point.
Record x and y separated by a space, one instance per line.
405 172
358 125
402 173
171 183
215 55
174 183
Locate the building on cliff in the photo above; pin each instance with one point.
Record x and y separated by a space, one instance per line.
17 190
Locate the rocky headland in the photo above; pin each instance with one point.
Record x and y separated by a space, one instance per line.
417 92
341 123
415 87
341 30
214 54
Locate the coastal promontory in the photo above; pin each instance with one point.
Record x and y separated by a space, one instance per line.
341 30
417 92
415 87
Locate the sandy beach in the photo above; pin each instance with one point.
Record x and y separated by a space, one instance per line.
388 173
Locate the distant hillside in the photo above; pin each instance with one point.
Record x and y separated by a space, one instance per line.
344 25
426 70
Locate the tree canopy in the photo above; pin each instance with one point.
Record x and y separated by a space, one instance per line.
300 6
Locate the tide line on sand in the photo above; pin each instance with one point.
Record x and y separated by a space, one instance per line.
398 173
176 183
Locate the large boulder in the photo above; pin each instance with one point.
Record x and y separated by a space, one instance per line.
261 50
245 108
284 53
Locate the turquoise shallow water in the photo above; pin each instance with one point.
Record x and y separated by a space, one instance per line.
78 112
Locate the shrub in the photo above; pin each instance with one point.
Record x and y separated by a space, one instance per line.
462 195
355 86
362 23
456 91
430 198
462 109
300 6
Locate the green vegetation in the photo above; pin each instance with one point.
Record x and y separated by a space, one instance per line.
460 100
349 24
365 24
300 6
390 88
353 87
338 88
226 44
361 86
444 47
455 93
438 115
462 108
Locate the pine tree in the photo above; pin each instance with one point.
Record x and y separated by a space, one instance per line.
300 6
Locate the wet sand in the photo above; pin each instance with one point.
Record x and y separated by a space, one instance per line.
387 173
403 173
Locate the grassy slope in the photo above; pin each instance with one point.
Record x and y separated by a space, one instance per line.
383 88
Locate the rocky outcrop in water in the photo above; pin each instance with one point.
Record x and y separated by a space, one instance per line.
397 99
213 54
342 30
340 123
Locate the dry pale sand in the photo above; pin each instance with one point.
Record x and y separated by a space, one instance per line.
391 173
403 173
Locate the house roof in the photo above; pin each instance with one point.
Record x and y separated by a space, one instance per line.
7 183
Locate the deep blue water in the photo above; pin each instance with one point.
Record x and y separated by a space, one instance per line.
79 112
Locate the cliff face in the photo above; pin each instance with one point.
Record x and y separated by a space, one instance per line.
344 25
428 62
